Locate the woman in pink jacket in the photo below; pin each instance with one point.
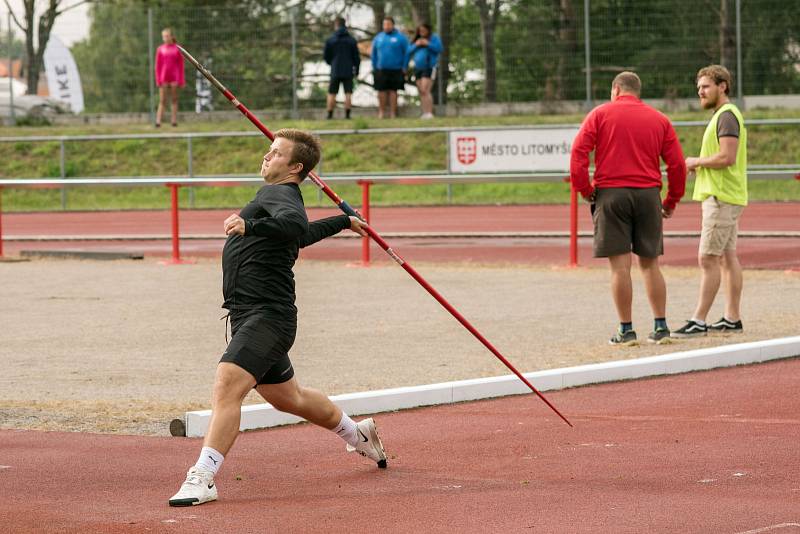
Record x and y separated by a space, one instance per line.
169 75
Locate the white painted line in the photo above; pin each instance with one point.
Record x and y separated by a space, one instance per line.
369 402
770 528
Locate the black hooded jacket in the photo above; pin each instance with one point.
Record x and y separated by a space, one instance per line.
341 53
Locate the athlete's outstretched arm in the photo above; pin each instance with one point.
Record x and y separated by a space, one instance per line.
319 230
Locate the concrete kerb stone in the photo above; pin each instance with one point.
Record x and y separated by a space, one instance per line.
368 402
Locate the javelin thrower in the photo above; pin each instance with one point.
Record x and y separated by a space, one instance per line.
258 286
276 217
347 209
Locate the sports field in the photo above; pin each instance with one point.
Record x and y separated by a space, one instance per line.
124 347
100 356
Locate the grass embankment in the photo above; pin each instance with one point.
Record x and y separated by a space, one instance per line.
342 153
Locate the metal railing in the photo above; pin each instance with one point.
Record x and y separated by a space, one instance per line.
365 181
779 171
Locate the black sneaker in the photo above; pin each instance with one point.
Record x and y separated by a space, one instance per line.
691 329
658 335
626 338
724 325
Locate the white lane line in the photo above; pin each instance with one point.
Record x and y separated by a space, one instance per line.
770 528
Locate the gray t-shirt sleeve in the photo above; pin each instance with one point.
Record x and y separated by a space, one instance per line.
727 125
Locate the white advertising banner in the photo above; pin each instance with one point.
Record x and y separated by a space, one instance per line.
63 79
511 150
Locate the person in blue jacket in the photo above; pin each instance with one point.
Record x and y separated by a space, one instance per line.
341 53
424 51
389 50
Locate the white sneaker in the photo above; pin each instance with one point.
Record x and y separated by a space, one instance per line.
369 444
198 488
426 116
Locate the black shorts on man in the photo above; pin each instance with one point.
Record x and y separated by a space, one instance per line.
628 219
260 344
389 80
423 73
333 86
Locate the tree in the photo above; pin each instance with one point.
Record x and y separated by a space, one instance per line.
727 36
564 23
34 48
489 13
420 11
446 35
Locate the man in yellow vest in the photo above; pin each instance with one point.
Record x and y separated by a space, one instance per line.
721 185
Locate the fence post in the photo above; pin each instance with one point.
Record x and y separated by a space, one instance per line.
739 95
439 87
365 212
63 167
190 169
150 63
1 222
292 13
587 54
11 117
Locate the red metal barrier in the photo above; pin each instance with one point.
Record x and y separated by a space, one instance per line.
573 228
176 240
365 212
1 222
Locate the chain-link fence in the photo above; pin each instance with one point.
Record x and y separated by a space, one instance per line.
270 52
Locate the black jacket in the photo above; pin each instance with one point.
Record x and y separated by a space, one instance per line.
341 53
257 267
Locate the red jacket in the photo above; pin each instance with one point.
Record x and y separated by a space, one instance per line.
628 137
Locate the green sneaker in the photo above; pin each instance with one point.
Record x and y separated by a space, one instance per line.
658 335
626 338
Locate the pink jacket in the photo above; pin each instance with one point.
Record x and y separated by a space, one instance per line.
169 65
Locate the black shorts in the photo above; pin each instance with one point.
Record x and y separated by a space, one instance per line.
423 73
388 80
333 87
260 343
627 219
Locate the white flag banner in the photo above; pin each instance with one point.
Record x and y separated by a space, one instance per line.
63 79
535 149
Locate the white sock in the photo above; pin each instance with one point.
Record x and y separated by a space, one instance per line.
347 430
210 460
698 321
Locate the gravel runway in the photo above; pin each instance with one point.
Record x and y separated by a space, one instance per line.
125 346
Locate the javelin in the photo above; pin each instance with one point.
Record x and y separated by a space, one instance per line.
345 207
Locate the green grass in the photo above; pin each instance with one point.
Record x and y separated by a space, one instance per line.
343 153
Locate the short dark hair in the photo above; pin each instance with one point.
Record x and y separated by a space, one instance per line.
387 17
719 74
306 150
340 22
629 82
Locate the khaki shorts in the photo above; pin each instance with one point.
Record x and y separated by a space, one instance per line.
720 226
628 219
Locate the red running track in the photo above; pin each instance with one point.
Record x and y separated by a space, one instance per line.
770 253
703 452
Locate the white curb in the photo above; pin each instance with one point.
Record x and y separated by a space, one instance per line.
384 400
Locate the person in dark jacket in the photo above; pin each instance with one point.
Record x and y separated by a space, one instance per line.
341 53
259 290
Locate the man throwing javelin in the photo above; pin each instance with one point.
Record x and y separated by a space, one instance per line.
258 287
628 138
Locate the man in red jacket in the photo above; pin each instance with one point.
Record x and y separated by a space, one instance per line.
628 138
